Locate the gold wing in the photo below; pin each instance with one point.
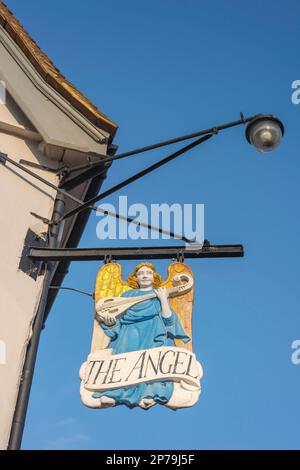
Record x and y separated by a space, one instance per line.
182 304
109 283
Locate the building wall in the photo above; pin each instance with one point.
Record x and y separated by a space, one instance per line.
19 294
59 135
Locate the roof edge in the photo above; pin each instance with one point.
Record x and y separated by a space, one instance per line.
51 74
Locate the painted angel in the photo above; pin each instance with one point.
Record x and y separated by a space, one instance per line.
144 324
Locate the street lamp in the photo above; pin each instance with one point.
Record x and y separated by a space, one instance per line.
264 132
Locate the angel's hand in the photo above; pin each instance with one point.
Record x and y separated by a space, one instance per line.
161 293
105 317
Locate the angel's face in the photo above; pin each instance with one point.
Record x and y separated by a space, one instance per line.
145 277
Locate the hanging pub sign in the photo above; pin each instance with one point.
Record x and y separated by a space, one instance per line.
141 352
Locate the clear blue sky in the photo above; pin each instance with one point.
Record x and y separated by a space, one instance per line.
162 69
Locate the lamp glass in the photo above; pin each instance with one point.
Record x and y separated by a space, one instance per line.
265 135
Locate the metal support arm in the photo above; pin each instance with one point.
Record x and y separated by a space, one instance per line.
161 252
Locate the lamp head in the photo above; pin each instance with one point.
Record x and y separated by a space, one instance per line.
264 132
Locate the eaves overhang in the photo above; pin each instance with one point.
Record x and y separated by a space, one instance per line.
50 74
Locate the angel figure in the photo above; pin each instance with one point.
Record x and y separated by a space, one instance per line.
146 324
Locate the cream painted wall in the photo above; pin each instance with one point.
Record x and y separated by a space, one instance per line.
19 294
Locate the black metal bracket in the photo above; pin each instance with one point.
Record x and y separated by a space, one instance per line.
28 265
69 182
182 138
180 256
109 254
107 259
88 205
137 176
72 289
40 217
41 167
3 158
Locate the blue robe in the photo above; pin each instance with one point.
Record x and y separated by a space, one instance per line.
142 327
